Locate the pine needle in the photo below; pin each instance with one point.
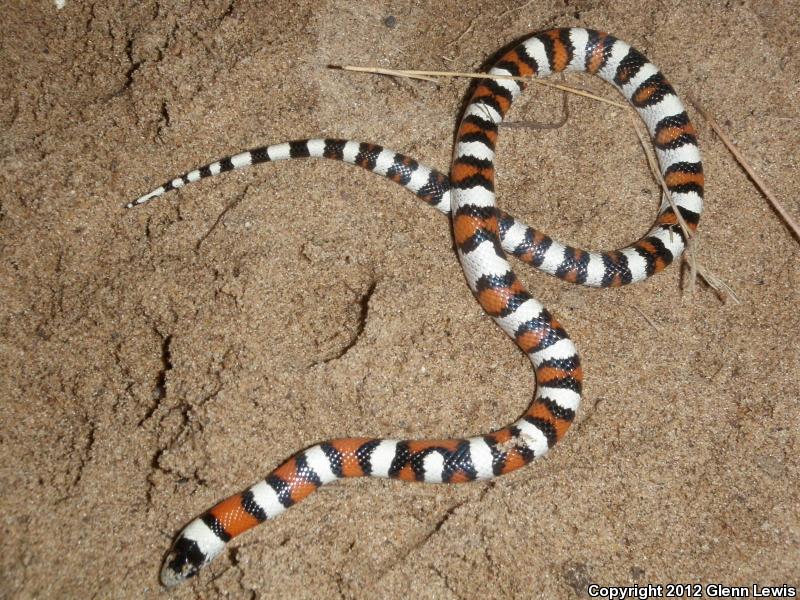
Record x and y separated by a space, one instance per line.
757 181
429 76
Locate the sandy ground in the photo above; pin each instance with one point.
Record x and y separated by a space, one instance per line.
155 361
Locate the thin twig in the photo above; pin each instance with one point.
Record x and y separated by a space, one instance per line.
232 204
510 10
645 317
759 183
690 249
537 125
695 268
380 71
463 33
717 283
428 75
656 171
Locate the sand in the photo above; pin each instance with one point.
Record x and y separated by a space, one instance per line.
154 361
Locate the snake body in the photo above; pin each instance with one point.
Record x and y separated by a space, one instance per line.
482 233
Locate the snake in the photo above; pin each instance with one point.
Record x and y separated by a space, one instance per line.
483 234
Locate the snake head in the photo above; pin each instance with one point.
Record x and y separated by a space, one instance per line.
194 548
184 560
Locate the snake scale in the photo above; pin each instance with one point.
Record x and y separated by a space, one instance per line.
483 235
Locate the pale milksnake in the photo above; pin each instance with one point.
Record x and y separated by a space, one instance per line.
482 232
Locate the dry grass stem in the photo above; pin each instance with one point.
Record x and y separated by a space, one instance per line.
514 9
391 72
759 183
717 284
429 75
652 162
537 125
462 34
646 318
695 268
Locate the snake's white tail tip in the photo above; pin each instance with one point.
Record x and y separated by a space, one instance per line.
146 198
